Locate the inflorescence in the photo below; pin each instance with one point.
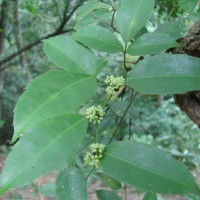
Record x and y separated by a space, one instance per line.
93 157
115 84
95 114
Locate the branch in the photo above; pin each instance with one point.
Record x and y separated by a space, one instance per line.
58 31
5 6
190 101
123 116
3 18
9 58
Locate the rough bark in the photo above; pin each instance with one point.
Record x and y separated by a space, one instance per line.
190 101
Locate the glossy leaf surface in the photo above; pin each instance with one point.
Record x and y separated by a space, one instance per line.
71 184
166 74
94 18
48 145
132 16
107 195
188 5
88 7
109 181
70 55
101 64
53 93
98 37
175 29
147 168
151 43
142 31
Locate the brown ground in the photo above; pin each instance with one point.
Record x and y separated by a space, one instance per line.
28 193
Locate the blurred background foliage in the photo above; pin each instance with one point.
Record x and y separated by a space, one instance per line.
152 119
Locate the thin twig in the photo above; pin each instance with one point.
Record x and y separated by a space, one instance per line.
95 16
108 107
5 60
130 121
97 133
107 101
173 8
122 118
124 52
59 30
129 128
90 173
112 20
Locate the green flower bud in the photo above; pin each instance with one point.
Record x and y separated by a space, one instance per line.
93 157
115 86
95 114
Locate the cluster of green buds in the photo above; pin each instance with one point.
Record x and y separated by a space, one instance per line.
115 85
95 114
93 157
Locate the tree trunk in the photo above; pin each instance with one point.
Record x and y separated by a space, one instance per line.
19 41
3 18
190 101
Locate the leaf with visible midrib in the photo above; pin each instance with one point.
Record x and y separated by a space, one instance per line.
48 145
99 38
71 184
109 181
56 92
101 64
94 18
151 43
188 5
70 55
132 16
147 168
88 7
166 74
175 29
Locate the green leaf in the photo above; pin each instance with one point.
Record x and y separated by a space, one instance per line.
71 185
88 7
166 74
48 190
107 195
56 92
151 43
108 181
48 145
132 16
150 196
99 38
142 31
175 29
70 55
188 5
101 64
147 168
94 17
